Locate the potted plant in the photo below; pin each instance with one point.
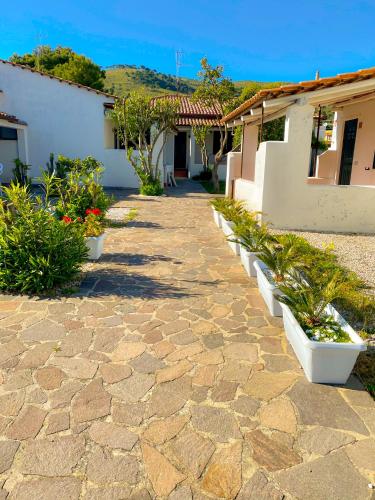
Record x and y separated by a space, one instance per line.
251 239
277 259
231 213
217 205
325 344
94 233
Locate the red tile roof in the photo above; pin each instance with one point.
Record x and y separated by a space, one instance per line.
299 88
192 113
11 118
61 80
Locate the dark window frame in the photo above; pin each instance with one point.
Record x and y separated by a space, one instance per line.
8 134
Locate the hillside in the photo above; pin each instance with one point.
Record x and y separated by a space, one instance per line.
124 78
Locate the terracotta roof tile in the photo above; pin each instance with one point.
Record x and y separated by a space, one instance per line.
11 118
21 66
298 88
192 113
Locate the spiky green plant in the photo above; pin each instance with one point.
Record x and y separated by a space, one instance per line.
251 236
308 302
283 255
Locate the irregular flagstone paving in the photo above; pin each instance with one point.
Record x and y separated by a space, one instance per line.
164 377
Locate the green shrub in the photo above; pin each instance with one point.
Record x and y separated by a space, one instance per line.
232 210
308 302
81 190
20 173
151 189
37 251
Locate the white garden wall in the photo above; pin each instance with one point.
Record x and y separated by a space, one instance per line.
281 191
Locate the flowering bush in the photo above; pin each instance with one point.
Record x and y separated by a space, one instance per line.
80 190
37 251
92 225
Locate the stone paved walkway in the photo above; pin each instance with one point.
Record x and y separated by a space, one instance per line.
166 378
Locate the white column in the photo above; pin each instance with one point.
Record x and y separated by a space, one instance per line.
298 133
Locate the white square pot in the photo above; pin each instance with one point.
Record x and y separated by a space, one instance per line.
226 226
248 259
217 217
268 290
95 246
324 363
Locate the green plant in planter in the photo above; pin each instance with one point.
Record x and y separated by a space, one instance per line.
82 191
37 251
233 211
93 226
282 256
251 236
308 303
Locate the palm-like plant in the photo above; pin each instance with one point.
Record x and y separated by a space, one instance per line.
232 210
282 256
309 301
251 236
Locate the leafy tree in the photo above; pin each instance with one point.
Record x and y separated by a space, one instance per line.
64 63
141 124
200 133
273 130
215 90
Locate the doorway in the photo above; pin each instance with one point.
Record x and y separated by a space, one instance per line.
347 155
180 140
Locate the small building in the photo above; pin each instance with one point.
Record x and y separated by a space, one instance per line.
41 114
182 154
291 182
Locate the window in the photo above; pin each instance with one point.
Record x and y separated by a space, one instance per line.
119 143
8 134
216 142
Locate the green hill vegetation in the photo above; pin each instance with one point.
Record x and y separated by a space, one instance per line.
124 78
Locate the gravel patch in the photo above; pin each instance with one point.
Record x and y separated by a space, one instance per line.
355 251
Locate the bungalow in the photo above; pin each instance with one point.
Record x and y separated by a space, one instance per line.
182 154
41 114
291 182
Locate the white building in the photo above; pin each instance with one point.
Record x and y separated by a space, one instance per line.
293 185
41 114
181 152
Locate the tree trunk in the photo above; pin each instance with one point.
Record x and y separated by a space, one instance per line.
215 178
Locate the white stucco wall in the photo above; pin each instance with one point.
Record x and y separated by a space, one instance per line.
62 119
280 189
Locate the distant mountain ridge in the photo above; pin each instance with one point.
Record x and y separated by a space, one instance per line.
124 78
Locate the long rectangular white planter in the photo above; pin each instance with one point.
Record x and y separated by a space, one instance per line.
217 217
324 363
268 290
95 246
227 227
248 259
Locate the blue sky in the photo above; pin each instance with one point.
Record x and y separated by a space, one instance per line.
269 40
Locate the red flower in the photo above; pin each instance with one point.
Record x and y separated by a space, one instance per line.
66 219
95 211
79 219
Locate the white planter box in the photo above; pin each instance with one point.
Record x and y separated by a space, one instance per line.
217 217
95 246
248 259
324 363
268 290
227 227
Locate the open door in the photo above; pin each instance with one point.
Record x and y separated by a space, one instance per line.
180 140
348 145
